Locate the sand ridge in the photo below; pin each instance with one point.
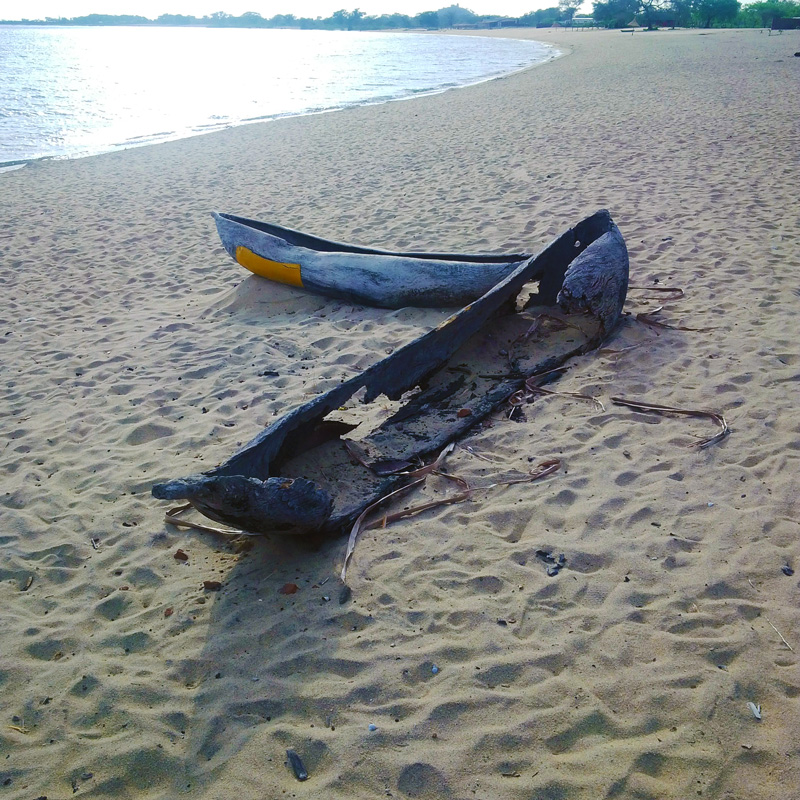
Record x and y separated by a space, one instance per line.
134 349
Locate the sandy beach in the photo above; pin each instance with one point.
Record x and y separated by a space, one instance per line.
134 350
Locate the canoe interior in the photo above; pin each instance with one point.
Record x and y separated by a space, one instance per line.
482 373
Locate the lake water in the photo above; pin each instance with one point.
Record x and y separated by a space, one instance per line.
70 91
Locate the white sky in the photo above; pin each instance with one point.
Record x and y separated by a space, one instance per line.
39 9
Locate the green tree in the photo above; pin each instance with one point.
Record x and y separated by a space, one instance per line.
680 12
650 13
346 20
110 19
758 15
252 19
176 19
710 11
339 19
653 12
541 18
567 9
615 13
455 15
387 22
428 19
283 21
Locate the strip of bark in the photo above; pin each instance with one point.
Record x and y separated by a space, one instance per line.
674 291
540 471
719 419
646 317
171 518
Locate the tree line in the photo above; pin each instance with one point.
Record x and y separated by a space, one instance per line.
340 20
692 13
606 13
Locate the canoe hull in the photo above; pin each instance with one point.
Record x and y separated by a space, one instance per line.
362 275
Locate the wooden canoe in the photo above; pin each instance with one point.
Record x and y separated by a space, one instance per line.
362 275
299 476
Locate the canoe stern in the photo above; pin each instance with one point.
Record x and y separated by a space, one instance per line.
275 505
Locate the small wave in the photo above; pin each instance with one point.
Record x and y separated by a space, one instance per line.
144 138
429 89
210 126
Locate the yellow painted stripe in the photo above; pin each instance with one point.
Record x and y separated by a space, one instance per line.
452 318
274 270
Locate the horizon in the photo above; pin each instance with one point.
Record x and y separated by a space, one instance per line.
152 9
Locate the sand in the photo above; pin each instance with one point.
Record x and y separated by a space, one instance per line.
134 349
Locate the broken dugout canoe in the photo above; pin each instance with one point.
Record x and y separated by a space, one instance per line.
361 274
299 476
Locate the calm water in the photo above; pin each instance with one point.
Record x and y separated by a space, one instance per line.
67 92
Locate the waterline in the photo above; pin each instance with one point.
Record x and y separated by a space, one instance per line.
72 92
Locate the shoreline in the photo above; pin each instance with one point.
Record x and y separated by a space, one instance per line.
135 350
207 127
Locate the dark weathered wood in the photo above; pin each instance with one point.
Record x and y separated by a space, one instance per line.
465 368
596 282
271 505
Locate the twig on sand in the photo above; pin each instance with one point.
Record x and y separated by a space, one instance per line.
540 471
434 465
646 317
419 475
359 523
171 518
387 519
780 634
607 351
674 292
526 395
557 323
476 455
640 405
18 728
540 390
516 400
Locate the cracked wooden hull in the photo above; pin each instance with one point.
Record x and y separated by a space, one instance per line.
300 476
